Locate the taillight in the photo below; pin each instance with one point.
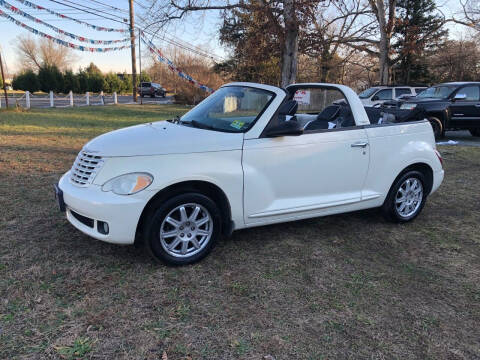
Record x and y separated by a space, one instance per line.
439 157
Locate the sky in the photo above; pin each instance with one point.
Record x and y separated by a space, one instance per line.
196 31
199 31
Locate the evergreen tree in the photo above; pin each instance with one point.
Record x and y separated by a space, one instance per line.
112 83
70 82
418 33
27 81
50 78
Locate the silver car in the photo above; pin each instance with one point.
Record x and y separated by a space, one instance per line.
151 89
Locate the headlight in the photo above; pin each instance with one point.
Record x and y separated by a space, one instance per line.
128 184
407 106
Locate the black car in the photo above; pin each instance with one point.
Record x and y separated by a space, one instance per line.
453 105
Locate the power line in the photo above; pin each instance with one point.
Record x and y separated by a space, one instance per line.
141 5
154 35
94 9
184 47
89 12
110 6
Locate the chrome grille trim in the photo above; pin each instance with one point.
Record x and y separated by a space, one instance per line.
85 168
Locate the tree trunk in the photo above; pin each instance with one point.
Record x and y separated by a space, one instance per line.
385 27
384 66
325 63
290 46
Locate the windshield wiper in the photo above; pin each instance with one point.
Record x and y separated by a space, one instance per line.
201 125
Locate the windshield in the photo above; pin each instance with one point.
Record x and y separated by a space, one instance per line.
367 93
229 109
437 92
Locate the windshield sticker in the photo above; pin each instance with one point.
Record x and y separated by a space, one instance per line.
237 124
302 97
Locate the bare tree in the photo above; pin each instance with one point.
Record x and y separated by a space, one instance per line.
329 33
33 54
471 14
286 17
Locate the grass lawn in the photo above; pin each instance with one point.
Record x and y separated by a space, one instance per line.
348 286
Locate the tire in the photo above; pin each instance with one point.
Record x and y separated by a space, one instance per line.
415 199
475 132
194 240
437 127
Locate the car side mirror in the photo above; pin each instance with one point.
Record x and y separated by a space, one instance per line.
375 98
285 128
459 96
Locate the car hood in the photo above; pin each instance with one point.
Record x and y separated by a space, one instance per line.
160 138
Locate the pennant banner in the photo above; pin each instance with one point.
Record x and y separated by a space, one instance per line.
57 30
95 27
159 55
59 41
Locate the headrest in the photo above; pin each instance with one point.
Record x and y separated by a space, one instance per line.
288 108
328 113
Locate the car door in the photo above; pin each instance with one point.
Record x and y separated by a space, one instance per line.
466 111
402 91
294 177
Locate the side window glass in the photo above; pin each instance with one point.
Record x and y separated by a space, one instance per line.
402 91
472 93
385 94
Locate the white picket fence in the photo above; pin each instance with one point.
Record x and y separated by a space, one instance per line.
54 100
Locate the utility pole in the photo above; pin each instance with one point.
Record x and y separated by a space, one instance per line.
140 61
3 80
132 48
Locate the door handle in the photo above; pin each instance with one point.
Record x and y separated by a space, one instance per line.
361 144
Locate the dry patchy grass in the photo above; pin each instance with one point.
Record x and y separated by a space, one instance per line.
348 286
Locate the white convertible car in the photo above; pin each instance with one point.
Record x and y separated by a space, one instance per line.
248 155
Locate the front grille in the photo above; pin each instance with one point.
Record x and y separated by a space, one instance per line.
83 219
85 168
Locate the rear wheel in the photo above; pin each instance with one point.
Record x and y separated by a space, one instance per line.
437 126
184 229
475 132
406 198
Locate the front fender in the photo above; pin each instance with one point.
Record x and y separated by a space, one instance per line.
221 168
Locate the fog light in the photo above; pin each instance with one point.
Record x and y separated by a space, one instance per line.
102 227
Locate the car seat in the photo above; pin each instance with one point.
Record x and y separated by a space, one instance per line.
328 114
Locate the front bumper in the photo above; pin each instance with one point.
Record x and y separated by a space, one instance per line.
96 207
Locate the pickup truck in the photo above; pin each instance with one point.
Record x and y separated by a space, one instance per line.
449 106
248 155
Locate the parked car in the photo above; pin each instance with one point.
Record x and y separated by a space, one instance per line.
375 96
151 89
453 105
248 155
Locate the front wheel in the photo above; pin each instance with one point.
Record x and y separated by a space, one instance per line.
184 229
475 132
406 198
